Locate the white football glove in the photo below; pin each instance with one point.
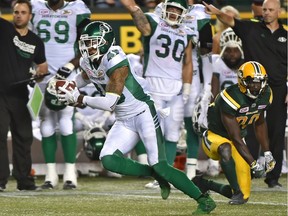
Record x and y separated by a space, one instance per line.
257 170
186 92
68 96
269 161
204 104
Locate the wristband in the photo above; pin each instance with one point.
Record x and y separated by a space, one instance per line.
70 66
186 89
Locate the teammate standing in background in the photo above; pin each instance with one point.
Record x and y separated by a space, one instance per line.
226 64
58 23
199 22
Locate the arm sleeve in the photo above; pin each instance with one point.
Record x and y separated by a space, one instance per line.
104 103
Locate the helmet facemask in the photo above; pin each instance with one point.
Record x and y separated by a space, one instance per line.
87 43
96 39
229 39
252 79
168 16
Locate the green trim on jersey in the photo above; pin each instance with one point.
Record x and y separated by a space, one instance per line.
119 65
232 101
201 23
135 88
146 42
81 17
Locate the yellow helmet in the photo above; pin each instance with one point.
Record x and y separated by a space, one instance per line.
249 74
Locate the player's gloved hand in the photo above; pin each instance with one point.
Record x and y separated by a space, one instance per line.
65 71
204 104
257 170
186 92
269 161
70 96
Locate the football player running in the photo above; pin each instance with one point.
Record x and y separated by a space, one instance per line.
234 108
167 45
125 93
57 23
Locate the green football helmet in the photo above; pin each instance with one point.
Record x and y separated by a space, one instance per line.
168 16
94 140
50 96
95 40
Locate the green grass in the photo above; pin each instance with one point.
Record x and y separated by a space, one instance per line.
128 197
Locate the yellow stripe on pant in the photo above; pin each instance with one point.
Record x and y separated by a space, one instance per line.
210 145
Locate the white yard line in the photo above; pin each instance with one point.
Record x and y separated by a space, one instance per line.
129 195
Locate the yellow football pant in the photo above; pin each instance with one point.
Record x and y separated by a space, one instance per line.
210 145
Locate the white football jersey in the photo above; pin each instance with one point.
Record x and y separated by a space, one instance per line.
195 19
227 76
58 30
134 95
135 61
164 52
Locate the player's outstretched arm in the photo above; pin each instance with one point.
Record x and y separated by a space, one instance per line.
138 16
223 17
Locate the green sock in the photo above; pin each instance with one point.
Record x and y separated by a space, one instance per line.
120 164
49 147
178 179
222 189
171 148
140 148
228 168
192 139
69 146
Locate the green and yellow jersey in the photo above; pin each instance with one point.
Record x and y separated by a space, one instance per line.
232 101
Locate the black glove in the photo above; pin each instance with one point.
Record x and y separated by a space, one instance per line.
65 71
257 170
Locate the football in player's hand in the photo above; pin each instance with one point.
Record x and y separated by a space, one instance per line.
69 85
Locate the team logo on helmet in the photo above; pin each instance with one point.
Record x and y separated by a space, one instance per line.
95 40
249 73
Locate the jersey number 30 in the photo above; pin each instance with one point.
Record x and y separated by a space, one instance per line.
166 45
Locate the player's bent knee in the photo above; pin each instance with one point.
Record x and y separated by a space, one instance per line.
225 151
110 163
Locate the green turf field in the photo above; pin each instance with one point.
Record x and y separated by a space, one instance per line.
128 197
